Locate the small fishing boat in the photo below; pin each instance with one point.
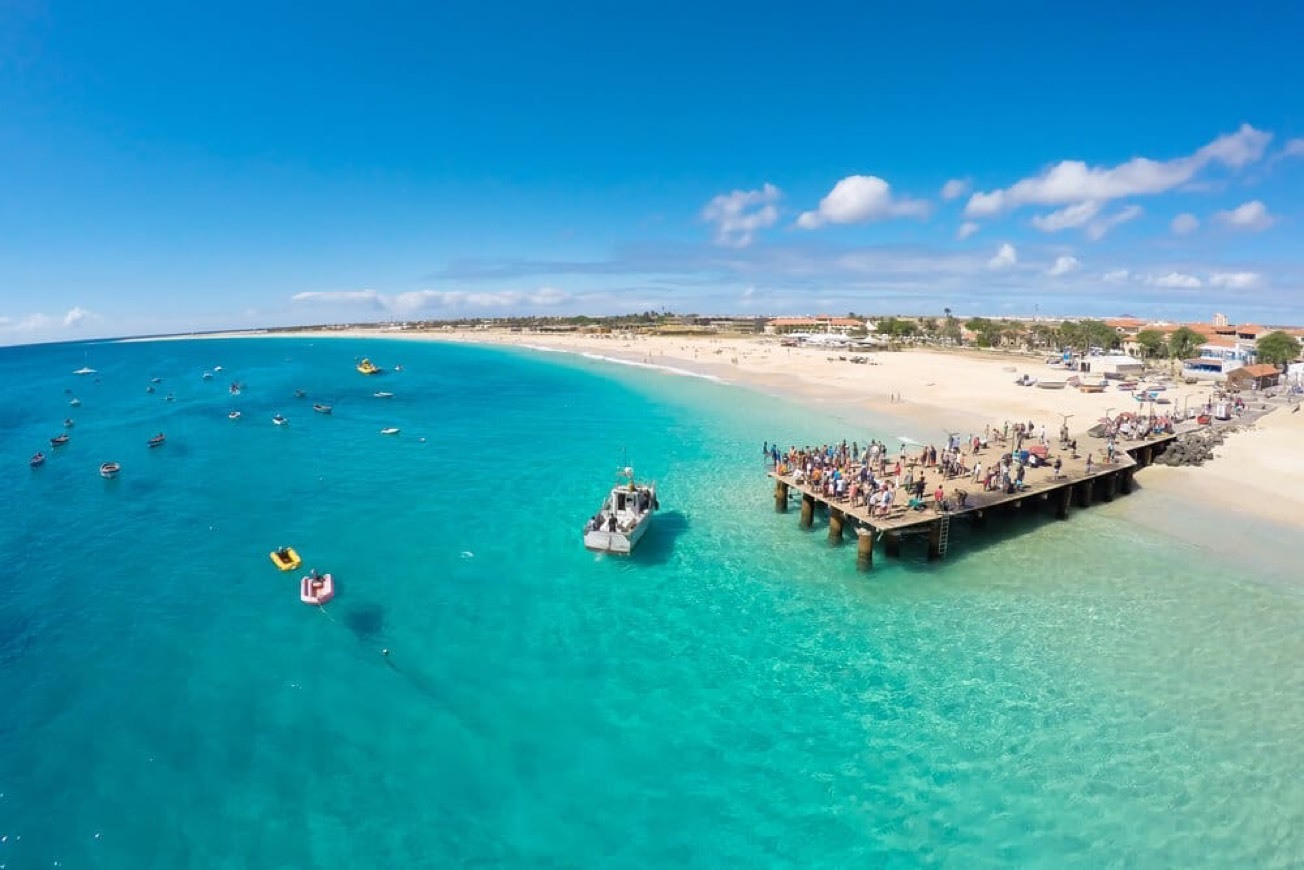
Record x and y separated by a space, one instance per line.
1050 384
1126 386
316 588
234 415
321 408
59 440
392 430
37 459
279 419
624 516
235 388
75 402
84 370
300 394
150 388
285 558
156 380
169 398
68 423
1156 388
217 368
381 394
367 367
156 441
208 376
110 469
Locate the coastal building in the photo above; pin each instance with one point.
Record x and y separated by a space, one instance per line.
1258 376
1219 356
1115 364
822 323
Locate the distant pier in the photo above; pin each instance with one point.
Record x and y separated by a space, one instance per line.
1075 487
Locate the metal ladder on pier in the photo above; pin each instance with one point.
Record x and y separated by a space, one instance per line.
944 534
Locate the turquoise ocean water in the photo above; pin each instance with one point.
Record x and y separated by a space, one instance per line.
1087 693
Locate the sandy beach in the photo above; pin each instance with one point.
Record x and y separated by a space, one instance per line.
1259 471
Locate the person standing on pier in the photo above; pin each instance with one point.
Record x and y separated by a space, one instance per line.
1089 463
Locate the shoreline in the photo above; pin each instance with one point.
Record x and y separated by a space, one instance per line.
1259 472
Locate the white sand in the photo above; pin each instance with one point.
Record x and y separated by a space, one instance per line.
1259 472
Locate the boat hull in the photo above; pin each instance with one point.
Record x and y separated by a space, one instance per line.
619 542
317 592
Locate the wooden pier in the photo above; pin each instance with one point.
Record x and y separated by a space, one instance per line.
1075 487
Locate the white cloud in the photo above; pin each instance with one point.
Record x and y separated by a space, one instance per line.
1294 148
1176 279
1064 265
967 229
1235 280
737 215
1116 276
1006 257
370 298
1073 181
426 300
1252 216
1184 223
956 188
76 315
1097 229
859 198
1066 218
418 301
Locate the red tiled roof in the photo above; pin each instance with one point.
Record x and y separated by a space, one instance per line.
1255 371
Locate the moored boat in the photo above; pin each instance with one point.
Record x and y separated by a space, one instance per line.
1050 384
279 419
37 459
156 441
381 394
59 440
321 408
316 588
390 430
624 517
84 370
300 394
110 469
235 388
367 367
208 376
68 423
285 558
75 402
234 415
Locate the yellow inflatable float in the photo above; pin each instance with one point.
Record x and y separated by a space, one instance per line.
286 558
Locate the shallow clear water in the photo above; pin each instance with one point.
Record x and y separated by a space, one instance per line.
1054 694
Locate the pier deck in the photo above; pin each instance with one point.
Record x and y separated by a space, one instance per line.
1074 484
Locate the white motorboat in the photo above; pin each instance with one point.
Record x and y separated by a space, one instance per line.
1046 384
624 517
84 370
381 394
279 419
390 430
110 469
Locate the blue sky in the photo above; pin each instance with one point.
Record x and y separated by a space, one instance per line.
169 168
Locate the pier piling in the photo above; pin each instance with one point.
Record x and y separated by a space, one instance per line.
780 496
865 548
1063 498
892 545
807 511
935 540
835 526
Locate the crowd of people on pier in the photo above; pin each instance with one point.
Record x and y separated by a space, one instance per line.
916 476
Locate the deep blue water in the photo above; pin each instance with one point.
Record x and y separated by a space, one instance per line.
1072 694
